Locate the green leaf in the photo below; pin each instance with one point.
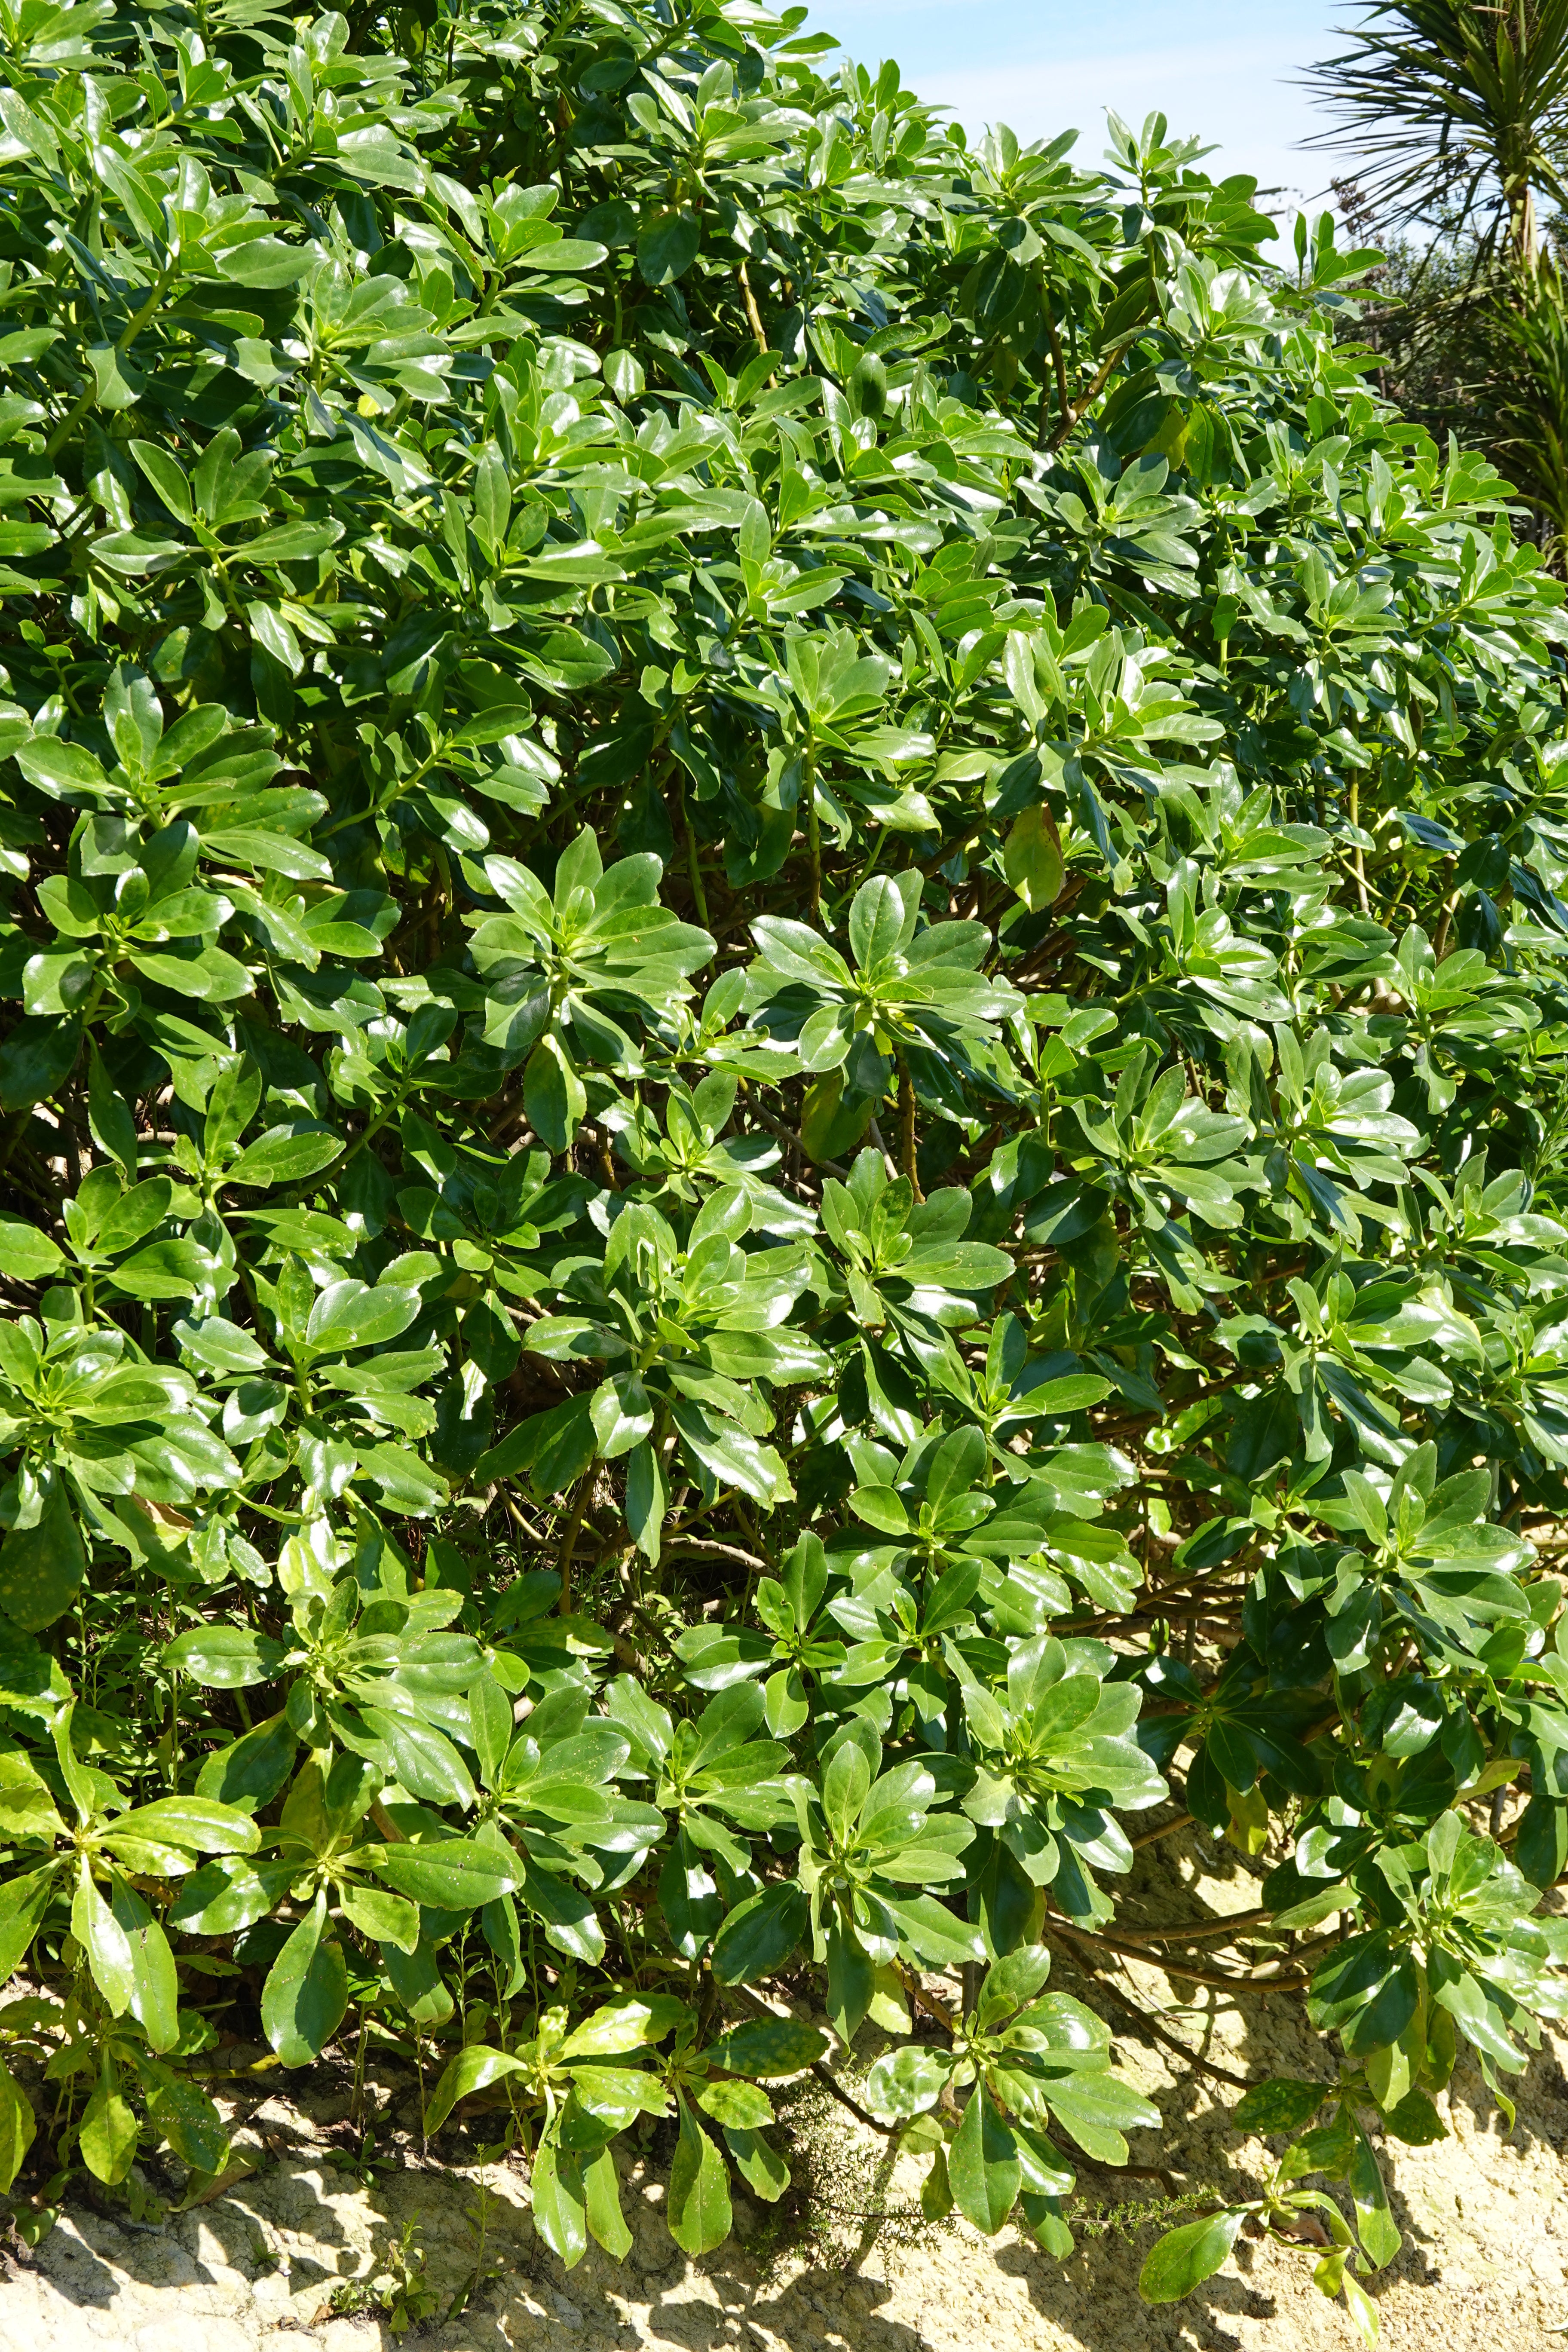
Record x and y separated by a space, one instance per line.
27 1804
266 262
628 2021
417 1984
423 1760
449 1874
473 2069
743 2105
1329 2148
852 1981
983 2165
198 1823
556 1447
768 2047
1184 2258
167 477
1379 2231
228 1896
907 2082
667 246
761 2166
103 1939
560 2203
36 1057
23 1903
1097 2107
614 2097
1284 2104
1366 1990
565 253
109 2133
188 2120
86 1792
41 1566
602 2198
1032 859
758 1935
349 1315
490 1719
25 1253
252 1770
732 1456
698 2210
932 1931
845 1785
882 1507
307 1991
282 1158
226 1657
381 1917
553 1095
936 2189
155 1987
18 2127
110 1119
1415 2121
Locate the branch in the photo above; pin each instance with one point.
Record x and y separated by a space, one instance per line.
1167 1829
1205 1932
1101 379
1172 2040
1226 1981
788 1134
569 1545
706 1545
846 2098
1060 365
752 313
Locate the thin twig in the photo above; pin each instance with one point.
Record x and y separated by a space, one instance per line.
846 2098
1102 378
907 1121
708 1547
933 2008
1172 2040
1075 2157
569 1544
1060 365
789 1135
1222 1980
1166 1829
1200 1932
751 312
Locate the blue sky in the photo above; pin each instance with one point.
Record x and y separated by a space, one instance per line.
1217 68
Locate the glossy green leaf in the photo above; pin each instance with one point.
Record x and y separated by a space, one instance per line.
759 1934
452 1874
983 2165
42 1565
473 2069
109 2133
18 2127
698 2210
1184 2258
306 1992
560 2203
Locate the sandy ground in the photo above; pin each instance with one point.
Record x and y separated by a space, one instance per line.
848 2261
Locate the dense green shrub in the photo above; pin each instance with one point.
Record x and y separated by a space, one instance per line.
784 1112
